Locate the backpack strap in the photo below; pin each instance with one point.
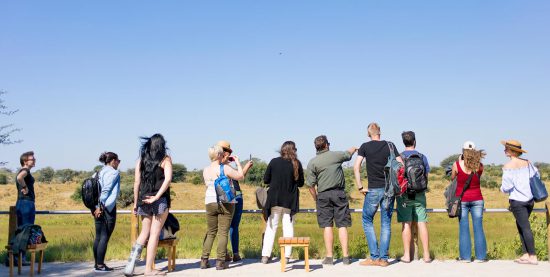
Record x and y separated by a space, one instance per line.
221 170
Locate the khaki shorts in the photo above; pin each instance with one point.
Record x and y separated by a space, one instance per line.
412 208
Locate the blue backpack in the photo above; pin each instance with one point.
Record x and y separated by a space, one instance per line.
391 170
225 192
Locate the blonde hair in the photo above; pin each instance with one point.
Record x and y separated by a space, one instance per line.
373 129
215 152
472 158
513 152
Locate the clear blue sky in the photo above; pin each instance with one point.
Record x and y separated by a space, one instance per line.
90 76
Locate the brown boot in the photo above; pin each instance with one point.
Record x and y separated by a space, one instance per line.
221 265
204 263
236 257
228 257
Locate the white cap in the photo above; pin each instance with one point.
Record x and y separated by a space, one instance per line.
469 145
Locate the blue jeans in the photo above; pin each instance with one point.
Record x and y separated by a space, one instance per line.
234 229
464 241
25 212
374 199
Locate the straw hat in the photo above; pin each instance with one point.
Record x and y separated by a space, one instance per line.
225 145
513 145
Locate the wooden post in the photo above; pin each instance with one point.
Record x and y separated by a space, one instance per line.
134 228
548 227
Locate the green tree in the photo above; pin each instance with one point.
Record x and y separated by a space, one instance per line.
449 161
45 175
3 179
255 175
179 171
65 175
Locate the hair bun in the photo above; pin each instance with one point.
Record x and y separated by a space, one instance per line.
103 157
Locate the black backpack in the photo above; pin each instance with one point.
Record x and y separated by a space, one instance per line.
90 191
415 172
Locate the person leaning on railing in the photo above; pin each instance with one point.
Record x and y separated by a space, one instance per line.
472 203
515 182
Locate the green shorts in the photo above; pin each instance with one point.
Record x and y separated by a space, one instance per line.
412 209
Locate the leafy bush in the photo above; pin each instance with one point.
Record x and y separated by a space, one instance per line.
65 175
45 175
126 197
488 182
3 179
255 175
178 172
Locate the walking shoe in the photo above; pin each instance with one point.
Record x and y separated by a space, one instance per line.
328 261
228 257
369 262
464 261
102 269
346 260
481 261
383 263
236 257
266 259
221 265
204 263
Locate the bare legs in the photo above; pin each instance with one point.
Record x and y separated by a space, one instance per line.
329 240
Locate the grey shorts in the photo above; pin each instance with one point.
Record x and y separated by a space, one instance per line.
333 207
156 208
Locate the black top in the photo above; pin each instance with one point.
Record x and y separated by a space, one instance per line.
376 153
29 180
159 179
283 188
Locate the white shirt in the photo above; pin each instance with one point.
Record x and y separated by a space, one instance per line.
515 181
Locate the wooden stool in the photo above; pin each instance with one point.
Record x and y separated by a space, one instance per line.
31 248
168 244
300 242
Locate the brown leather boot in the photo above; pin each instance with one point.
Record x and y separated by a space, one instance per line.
204 263
221 265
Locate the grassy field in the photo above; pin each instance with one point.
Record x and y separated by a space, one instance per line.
71 236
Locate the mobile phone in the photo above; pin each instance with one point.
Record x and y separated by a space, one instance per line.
231 159
250 157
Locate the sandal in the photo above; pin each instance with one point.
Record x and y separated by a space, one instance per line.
527 262
404 261
428 261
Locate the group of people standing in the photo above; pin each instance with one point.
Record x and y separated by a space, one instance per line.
324 177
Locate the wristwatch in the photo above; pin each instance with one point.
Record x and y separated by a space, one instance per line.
361 188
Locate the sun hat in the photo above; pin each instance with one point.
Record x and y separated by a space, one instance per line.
225 145
513 144
469 145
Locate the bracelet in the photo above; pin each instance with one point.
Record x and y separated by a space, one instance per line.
361 188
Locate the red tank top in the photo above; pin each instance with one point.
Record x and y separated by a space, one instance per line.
473 193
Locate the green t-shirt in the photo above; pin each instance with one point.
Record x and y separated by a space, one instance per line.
325 170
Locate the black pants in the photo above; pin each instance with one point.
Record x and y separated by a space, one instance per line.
522 211
104 226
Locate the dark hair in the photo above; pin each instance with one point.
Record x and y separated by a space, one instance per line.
107 157
25 156
408 138
288 152
321 142
152 153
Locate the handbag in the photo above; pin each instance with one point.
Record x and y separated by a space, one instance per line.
538 189
261 197
454 206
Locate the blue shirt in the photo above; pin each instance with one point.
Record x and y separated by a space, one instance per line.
109 180
515 181
408 153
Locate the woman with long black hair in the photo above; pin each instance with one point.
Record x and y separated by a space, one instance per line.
153 174
105 212
284 175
